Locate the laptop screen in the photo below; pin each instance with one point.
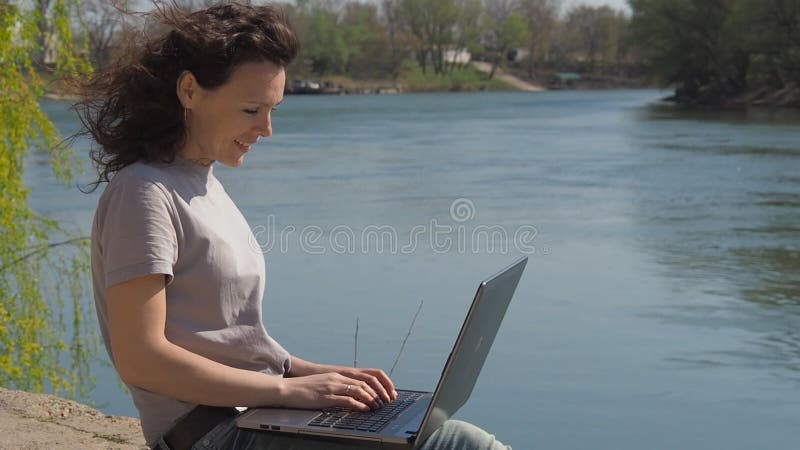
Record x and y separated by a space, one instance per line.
472 346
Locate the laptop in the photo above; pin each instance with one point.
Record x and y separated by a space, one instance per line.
408 421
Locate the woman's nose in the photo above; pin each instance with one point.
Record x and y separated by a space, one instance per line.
265 127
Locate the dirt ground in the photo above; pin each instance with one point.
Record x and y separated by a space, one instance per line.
509 79
39 421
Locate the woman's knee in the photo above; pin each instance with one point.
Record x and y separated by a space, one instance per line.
455 434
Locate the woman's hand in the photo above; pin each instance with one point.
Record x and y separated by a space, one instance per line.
375 379
330 389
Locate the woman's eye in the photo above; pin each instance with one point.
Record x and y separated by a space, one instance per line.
252 112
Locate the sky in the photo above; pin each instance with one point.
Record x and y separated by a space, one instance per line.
616 4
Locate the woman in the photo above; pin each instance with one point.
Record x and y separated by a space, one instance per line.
178 285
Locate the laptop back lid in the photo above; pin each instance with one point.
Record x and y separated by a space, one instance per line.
471 348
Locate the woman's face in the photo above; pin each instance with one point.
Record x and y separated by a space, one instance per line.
223 123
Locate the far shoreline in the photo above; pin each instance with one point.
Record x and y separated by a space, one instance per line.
757 97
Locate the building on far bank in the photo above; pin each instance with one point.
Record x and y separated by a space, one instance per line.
458 56
517 54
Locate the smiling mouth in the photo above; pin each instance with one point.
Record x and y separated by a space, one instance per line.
242 144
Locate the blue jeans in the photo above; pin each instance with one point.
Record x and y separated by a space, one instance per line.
453 435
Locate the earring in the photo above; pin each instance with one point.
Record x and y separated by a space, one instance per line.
185 116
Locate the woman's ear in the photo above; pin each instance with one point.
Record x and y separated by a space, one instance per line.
187 89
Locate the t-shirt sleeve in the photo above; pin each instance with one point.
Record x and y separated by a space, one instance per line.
138 235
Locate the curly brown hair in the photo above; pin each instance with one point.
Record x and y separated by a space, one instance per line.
131 108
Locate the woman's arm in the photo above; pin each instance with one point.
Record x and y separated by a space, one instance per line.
145 358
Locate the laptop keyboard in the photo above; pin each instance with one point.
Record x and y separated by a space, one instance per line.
346 419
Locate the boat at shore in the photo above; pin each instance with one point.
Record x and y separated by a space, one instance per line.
309 87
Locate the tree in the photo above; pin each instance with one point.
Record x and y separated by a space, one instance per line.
33 318
391 16
431 23
102 21
506 28
325 44
366 39
541 16
594 34
698 45
43 30
713 51
775 30
468 30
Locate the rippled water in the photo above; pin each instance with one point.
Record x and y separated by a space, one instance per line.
661 304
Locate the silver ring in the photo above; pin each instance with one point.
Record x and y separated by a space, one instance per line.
347 390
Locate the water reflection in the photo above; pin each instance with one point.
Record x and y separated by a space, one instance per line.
732 150
721 215
747 116
778 276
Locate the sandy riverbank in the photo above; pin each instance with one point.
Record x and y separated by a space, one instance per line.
38 421
509 79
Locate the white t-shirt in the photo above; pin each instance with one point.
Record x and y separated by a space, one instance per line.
177 220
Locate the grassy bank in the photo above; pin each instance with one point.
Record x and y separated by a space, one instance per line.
465 79
412 79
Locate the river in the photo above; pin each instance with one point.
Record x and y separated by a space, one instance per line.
660 308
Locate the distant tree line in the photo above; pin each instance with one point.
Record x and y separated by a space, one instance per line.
723 51
711 51
377 39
